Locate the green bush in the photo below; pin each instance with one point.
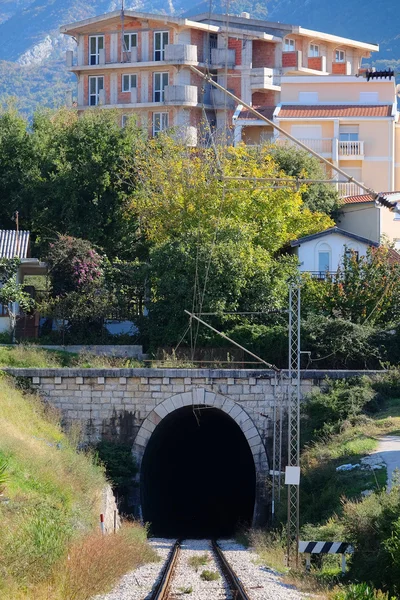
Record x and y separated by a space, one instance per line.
361 591
336 343
373 527
338 401
118 462
388 384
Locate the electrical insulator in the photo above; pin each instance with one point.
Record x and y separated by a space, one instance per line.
372 74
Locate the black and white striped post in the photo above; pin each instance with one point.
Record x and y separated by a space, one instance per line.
309 548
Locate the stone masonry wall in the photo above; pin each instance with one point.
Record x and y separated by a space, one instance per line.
127 404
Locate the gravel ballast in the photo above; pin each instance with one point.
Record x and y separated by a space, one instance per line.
260 582
138 584
187 577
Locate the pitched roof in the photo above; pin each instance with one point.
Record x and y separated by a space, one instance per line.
266 111
329 231
393 256
13 247
296 111
365 198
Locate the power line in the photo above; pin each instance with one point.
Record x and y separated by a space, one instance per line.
375 196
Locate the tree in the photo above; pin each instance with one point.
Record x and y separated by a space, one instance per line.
229 275
182 190
295 162
79 191
16 168
12 294
365 289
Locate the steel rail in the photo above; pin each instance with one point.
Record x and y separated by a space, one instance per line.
235 585
161 590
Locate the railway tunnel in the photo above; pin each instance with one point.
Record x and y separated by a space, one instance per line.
198 476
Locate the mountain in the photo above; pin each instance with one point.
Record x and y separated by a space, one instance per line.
29 37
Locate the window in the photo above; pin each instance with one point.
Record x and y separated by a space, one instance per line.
290 45
160 80
160 122
130 41
348 133
340 56
96 85
351 253
161 39
313 50
129 82
308 97
323 261
369 97
96 43
3 310
124 120
213 43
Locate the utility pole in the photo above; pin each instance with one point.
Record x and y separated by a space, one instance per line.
294 423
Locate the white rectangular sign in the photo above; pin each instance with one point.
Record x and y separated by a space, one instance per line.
292 476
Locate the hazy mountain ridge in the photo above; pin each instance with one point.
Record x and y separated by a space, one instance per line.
29 30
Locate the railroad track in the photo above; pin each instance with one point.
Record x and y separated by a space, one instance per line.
235 589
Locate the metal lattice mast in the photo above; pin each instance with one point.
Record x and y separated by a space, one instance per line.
293 421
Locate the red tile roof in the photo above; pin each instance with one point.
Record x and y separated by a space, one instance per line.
363 198
266 111
393 256
338 110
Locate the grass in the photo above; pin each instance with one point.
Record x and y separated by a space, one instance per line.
323 492
198 561
30 356
49 510
207 575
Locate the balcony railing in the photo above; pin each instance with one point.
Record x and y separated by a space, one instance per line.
351 148
263 78
321 145
221 57
219 99
349 189
322 275
180 94
180 53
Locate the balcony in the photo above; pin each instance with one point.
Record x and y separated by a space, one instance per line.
351 150
220 100
349 189
317 63
180 94
321 145
292 61
180 54
223 57
265 79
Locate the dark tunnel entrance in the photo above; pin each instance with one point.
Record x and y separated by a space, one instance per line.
198 475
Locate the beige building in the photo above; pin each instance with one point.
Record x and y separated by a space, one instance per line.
352 122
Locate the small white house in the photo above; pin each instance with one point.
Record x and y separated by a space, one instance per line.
17 245
323 252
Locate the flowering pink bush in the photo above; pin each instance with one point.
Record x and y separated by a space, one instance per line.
74 266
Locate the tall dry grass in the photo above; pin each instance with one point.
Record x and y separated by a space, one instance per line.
92 566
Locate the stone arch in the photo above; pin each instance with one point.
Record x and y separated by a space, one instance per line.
200 396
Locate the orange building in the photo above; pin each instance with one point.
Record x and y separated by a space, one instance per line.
139 63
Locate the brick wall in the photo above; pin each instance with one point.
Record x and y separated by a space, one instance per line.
315 62
197 39
263 54
339 68
263 98
289 59
234 44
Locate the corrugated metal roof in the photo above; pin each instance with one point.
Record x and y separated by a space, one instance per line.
338 110
11 247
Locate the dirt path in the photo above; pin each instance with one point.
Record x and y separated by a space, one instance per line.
388 451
